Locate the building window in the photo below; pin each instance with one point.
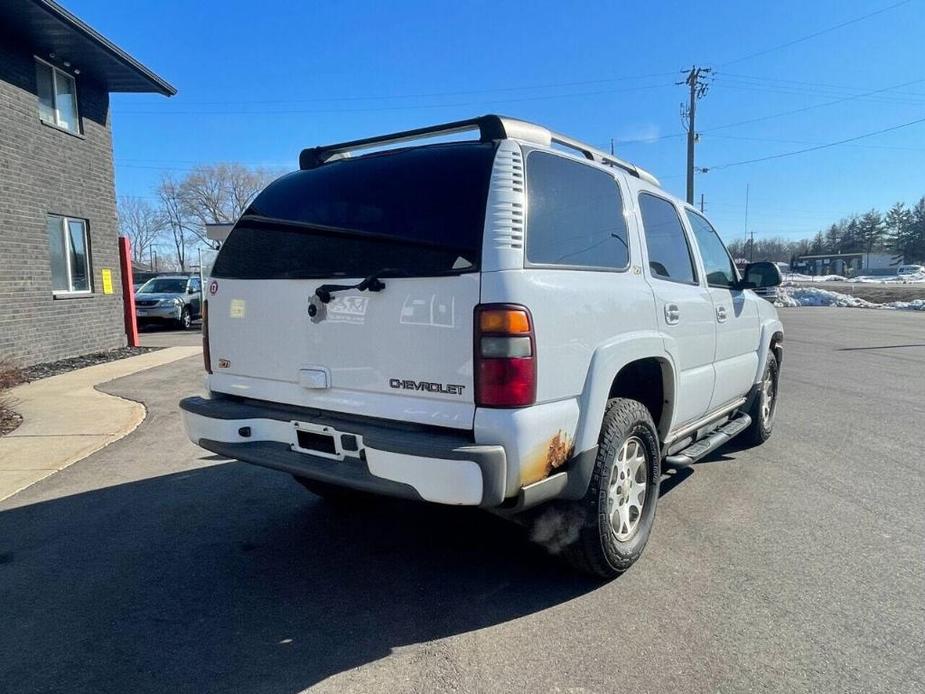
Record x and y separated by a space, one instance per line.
57 97
70 255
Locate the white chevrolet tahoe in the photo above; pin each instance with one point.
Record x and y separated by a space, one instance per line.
514 320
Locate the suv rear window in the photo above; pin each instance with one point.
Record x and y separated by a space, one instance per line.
415 212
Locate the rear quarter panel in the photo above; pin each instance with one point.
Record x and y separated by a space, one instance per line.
588 325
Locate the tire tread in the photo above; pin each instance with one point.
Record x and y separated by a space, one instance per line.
587 554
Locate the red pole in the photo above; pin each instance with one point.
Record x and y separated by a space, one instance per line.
128 292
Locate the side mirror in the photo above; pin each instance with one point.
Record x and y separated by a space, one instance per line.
762 274
190 290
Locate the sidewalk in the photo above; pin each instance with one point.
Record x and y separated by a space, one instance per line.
65 418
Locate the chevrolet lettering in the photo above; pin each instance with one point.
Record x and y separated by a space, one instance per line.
449 388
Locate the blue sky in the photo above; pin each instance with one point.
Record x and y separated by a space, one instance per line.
259 81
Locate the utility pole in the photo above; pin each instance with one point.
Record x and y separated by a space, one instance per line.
611 146
701 203
696 80
746 212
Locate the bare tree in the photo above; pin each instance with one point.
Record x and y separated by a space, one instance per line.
142 223
181 227
219 193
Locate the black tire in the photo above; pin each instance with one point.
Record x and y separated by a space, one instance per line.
598 551
332 492
761 427
186 320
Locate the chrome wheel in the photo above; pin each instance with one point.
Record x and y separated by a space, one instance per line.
768 395
626 492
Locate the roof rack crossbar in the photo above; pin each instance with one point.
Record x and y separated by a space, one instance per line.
600 157
490 127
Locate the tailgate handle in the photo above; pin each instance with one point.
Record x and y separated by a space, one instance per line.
313 378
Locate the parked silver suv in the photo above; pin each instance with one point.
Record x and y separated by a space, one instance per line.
175 299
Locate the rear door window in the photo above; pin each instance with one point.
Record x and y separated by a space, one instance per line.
574 215
413 212
670 255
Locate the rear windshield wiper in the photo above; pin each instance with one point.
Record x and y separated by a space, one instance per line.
371 283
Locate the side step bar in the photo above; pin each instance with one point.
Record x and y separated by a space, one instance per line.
698 450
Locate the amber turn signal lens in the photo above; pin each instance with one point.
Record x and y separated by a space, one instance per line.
507 321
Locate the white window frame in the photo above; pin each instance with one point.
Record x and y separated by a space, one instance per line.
57 122
67 257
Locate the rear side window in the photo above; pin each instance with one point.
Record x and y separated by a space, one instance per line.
716 261
669 253
414 212
574 215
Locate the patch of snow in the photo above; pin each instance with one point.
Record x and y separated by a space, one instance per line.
914 305
890 279
813 296
797 277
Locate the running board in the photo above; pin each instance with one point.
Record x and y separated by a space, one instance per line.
698 450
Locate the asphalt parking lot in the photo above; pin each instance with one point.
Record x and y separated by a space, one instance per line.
796 567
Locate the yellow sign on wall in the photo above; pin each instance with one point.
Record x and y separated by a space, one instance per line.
107 280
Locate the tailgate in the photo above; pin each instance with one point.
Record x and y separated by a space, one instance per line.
401 353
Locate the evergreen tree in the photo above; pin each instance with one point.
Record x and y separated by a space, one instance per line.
832 239
917 234
900 229
850 242
870 231
818 244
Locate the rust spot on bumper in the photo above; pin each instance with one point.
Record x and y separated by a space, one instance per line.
546 457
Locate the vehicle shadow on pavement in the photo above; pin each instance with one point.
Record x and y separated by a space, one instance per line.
187 582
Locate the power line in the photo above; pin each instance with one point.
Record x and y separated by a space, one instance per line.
811 107
409 107
424 95
813 35
808 142
804 83
770 116
821 92
813 149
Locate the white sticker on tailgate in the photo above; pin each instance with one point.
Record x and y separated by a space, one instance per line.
237 308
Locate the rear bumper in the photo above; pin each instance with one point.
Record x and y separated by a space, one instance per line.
414 462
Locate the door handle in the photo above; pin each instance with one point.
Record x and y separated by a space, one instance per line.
672 314
721 314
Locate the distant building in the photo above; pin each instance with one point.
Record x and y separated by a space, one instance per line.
60 283
846 264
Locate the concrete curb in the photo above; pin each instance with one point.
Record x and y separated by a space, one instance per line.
65 418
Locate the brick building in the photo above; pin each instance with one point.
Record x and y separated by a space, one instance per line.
60 283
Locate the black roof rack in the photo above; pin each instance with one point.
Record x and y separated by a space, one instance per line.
490 127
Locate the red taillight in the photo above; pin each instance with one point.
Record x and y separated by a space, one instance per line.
505 356
206 355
